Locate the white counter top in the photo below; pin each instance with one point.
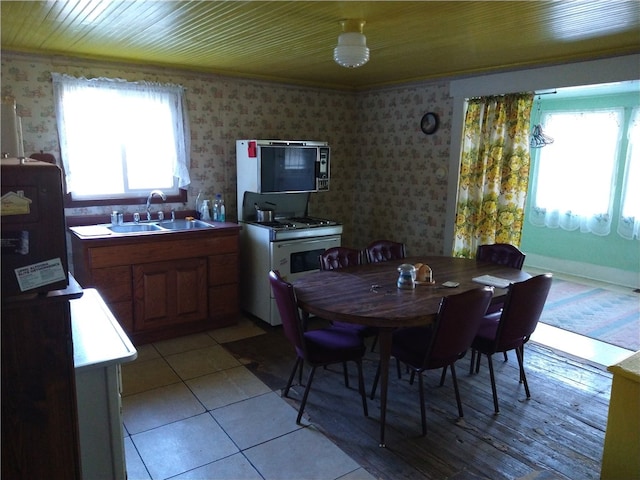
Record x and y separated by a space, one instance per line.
98 339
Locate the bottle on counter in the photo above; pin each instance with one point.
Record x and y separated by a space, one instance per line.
205 213
198 205
219 213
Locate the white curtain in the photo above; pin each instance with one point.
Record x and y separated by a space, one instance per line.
629 221
148 123
576 173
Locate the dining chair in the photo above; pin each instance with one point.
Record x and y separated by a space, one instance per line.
385 250
500 254
340 257
318 348
511 328
441 344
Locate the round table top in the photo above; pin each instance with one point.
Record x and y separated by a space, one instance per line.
368 294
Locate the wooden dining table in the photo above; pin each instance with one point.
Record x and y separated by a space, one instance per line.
368 295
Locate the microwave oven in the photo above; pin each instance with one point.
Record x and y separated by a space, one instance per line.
282 166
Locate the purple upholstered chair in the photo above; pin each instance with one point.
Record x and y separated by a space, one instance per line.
501 254
385 250
440 345
511 328
341 257
317 348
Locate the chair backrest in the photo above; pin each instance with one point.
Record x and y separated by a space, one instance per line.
288 307
501 254
456 326
521 311
384 250
339 257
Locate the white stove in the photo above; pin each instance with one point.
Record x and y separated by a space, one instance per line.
300 227
291 244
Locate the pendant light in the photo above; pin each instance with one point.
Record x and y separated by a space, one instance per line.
352 50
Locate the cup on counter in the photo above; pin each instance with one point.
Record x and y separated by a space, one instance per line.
117 218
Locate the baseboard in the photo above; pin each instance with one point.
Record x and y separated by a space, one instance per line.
614 276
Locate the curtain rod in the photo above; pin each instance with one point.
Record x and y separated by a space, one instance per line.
548 92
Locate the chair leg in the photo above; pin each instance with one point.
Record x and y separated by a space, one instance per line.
443 376
375 342
375 383
478 362
493 384
423 415
398 369
506 359
412 377
346 374
473 360
306 394
300 373
455 389
363 394
293 372
519 354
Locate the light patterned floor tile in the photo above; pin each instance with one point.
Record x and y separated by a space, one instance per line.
184 344
182 446
226 387
233 467
140 376
202 361
154 408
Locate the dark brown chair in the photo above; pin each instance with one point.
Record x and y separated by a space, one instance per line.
501 254
322 347
341 257
511 328
385 250
440 345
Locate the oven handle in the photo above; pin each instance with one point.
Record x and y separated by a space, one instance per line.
280 245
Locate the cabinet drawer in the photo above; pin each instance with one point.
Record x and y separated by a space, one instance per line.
223 269
113 283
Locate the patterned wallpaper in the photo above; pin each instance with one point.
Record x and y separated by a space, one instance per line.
383 166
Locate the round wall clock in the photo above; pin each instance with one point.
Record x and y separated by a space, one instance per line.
429 123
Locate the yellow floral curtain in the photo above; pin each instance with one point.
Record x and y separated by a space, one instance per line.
494 172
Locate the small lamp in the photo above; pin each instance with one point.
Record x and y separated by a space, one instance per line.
351 51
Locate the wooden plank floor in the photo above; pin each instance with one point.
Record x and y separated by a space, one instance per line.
559 431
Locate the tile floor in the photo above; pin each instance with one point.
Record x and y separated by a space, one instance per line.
193 411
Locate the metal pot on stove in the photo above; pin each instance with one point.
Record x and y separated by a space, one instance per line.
264 215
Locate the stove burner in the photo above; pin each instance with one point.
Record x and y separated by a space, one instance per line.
310 221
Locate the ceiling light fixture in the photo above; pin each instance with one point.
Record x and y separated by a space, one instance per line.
351 51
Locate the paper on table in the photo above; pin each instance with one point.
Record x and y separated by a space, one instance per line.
492 281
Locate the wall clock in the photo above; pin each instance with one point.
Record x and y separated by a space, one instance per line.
429 123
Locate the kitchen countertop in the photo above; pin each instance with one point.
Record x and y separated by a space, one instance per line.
98 339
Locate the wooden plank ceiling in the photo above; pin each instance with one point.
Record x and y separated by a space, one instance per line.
293 41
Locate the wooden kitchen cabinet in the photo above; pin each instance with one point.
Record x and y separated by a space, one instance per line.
39 414
170 293
163 285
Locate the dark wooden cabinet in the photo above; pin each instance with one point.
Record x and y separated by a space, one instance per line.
165 285
169 293
39 409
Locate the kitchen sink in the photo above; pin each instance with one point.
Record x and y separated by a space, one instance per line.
183 224
134 228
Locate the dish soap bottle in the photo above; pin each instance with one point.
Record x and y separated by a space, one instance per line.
204 211
219 214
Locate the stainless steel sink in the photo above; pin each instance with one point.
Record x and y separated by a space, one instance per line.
183 224
134 228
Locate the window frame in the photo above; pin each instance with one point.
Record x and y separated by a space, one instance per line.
180 124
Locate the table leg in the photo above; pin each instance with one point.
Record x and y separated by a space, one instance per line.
384 342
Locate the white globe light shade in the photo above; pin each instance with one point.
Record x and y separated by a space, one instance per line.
352 51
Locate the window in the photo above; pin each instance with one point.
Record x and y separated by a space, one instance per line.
629 224
588 178
119 140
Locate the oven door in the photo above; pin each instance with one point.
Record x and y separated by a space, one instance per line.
295 258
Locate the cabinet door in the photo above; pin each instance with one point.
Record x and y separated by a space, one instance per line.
169 293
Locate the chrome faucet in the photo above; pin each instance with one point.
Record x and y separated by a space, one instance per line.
158 193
